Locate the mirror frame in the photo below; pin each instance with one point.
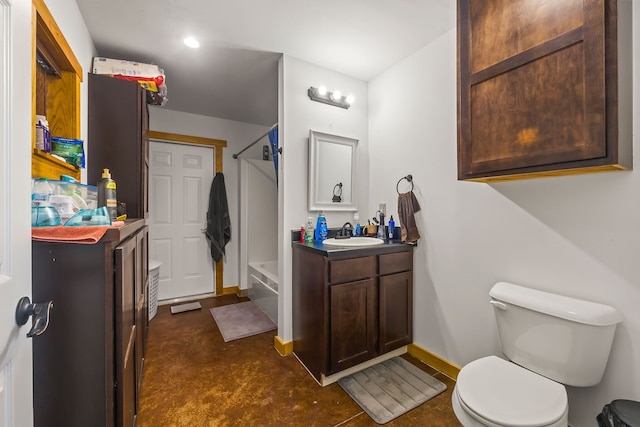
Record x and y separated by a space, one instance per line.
316 139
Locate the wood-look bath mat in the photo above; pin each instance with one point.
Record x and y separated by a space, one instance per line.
241 320
391 388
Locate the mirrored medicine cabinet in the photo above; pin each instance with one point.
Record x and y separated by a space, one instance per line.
332 172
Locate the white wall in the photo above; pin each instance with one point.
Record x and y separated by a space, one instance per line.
238 135
575 235
300 115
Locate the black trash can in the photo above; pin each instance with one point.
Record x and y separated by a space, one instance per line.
620 413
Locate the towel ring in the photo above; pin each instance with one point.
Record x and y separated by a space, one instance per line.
409 178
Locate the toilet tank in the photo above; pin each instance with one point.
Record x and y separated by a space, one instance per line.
565 339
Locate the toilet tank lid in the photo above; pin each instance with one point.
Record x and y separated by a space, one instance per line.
573 309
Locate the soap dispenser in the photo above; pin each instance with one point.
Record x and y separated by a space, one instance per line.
357 229
321 228
392 226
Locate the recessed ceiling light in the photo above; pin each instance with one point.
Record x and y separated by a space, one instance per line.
191 42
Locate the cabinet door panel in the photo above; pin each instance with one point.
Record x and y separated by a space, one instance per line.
353 324
118 131
396 311
537 88
125 286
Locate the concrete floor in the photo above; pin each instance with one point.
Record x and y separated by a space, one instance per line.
192 377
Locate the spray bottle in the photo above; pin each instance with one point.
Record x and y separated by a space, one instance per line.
107 194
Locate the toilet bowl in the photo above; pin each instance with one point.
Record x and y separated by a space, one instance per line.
549 340
495 392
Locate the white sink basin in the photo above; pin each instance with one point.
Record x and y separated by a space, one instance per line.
353 242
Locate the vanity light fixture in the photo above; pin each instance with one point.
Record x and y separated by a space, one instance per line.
334 98
191 42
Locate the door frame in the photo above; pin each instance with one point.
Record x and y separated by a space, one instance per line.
218 145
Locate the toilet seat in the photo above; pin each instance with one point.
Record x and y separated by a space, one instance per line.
497 392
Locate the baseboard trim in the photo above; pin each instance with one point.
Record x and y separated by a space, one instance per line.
185 299
231 290
326 380
449 369
284 348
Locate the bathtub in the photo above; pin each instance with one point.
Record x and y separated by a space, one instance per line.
263 286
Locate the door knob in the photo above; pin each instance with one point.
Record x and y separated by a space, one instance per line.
40 313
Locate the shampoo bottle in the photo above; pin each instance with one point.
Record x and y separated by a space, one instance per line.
107 194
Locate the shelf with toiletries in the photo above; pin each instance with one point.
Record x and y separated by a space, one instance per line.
56 93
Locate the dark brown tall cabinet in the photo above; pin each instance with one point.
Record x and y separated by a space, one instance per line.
88 363
118 137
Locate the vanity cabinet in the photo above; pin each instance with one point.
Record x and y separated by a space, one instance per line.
88 363
541 88
350 306
119 139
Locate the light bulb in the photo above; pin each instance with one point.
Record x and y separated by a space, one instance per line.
350 98
336 95
191 42
322 90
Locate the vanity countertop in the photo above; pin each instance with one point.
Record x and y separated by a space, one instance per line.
389 246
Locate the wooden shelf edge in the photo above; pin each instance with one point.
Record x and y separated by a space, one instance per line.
546 174
44 165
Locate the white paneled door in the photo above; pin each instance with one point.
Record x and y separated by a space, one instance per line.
179 184
16 378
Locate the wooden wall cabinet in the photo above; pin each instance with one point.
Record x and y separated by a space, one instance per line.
119 139
537 88
56 78
87 365
349 308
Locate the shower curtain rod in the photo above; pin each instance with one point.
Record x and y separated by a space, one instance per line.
235 156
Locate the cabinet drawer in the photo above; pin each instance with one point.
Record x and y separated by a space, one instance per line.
395 263
349 270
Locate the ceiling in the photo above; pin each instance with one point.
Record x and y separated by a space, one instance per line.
234 74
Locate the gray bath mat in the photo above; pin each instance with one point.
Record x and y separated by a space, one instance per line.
241 320
391 388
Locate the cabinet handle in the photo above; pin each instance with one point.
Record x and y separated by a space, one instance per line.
40 313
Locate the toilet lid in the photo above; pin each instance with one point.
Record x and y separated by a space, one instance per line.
507 394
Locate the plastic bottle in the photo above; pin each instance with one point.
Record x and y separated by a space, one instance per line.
381 233
321 228
107 194
308 231
357 229
302 234
41 192
392 226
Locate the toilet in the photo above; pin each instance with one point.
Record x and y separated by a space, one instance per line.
550 341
